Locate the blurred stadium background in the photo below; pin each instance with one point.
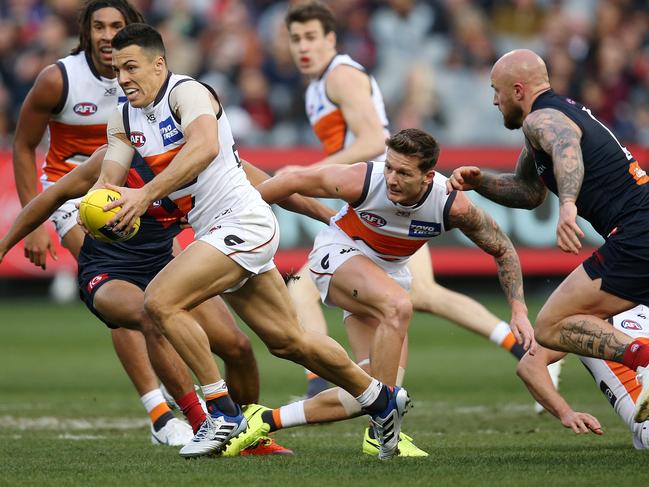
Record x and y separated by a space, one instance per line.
432 60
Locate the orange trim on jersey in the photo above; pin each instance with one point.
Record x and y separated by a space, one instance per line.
158 163
331 129
67 141
626 376
638 173
352 225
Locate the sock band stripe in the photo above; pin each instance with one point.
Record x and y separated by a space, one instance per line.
277 418
509 341
158 411
212 397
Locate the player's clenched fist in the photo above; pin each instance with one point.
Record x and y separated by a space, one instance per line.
464 178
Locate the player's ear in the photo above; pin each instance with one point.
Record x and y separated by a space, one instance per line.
331 39
429 176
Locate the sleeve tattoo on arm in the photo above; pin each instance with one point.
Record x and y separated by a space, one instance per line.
552 132
483 230
522 189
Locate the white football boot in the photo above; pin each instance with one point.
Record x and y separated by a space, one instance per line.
213 435
174 433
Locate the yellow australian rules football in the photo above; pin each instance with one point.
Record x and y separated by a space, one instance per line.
95 219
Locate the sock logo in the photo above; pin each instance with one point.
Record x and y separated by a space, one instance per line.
634 347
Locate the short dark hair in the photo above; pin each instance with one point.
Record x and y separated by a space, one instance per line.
142 35
417 143
85 15
312 10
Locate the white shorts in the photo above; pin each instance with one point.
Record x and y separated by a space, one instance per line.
65 218
620 386
332 248
249 238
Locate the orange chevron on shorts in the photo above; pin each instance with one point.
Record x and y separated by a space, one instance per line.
352 225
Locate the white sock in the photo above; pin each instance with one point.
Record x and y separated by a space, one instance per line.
499 333
217 388
152 399
370 394
292 414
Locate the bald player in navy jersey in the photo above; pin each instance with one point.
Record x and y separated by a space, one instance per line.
571 153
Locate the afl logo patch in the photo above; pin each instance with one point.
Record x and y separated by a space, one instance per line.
85 109
372 219
137 139
630 325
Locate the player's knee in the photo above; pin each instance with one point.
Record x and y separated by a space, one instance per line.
239 352
287 346
156 308
543 330
397 311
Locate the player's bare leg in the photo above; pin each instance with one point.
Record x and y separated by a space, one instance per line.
364 289
202 271
306 298
131 350
233 346
428 296
573 320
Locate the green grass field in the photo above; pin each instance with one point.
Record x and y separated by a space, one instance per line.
68 416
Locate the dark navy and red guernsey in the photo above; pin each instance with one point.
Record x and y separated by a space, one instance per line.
140 258
614 186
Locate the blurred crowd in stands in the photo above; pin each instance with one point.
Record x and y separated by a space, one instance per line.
432 59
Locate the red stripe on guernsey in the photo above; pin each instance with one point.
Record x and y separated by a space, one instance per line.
158 163
352 225
626 376
67 141
330 129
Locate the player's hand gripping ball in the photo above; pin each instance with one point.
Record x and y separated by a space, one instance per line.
95 219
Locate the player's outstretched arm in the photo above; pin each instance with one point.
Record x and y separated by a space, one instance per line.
521 189
74 184
295 203
341 182
560 137
533 371
35 113
483 230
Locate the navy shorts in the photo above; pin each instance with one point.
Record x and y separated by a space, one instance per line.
623 261
99 264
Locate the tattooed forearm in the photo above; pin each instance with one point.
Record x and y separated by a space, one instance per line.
524 189
585 338
483 230
553 132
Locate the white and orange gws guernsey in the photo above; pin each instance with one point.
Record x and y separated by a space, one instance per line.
221 189
77 126
388 231
326 117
